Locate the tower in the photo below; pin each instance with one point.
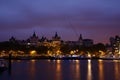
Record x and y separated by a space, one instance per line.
56 37
34 40
80 40
56 42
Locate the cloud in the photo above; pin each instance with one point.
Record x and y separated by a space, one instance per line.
84 16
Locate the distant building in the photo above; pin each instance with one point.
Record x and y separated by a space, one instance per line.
71 43
56 40
33 40
80 40
88 42
45 42
115 44
12 39
56 44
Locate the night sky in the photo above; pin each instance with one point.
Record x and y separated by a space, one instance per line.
94 19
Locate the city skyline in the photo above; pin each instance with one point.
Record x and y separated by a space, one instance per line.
97 20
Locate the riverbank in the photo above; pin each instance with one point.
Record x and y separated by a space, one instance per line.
56 58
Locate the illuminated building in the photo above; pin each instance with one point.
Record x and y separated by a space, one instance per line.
45 42
56 40
33 40
115 44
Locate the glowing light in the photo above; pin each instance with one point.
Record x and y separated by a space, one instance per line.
28 43
119 51
77 61
101 69
116 70
89 70
77 69
102 53
100 60
89 61
58 52
33 52
115 60
33 60
18 60
58 61
89 55
58 70
49 53
71 52
49 60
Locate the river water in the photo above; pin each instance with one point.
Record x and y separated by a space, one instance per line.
63 70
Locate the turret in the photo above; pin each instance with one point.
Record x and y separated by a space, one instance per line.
80 40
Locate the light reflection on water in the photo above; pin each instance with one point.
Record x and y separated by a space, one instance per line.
89 75
63 70
77 69
117 70
32 69
101 70
58 70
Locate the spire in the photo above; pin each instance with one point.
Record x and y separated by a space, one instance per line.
56 35
12 39
80 40
34 34
80 37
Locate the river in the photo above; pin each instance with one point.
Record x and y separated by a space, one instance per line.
63 70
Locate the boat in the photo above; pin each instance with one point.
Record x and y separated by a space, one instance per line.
3 65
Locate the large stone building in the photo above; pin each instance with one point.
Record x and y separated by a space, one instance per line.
33 40
88 42
81 42
56 44
56 41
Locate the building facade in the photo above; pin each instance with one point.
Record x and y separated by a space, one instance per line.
115 45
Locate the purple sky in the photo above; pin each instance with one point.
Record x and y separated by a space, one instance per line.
94 19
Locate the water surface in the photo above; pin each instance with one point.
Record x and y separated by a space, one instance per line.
63 70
